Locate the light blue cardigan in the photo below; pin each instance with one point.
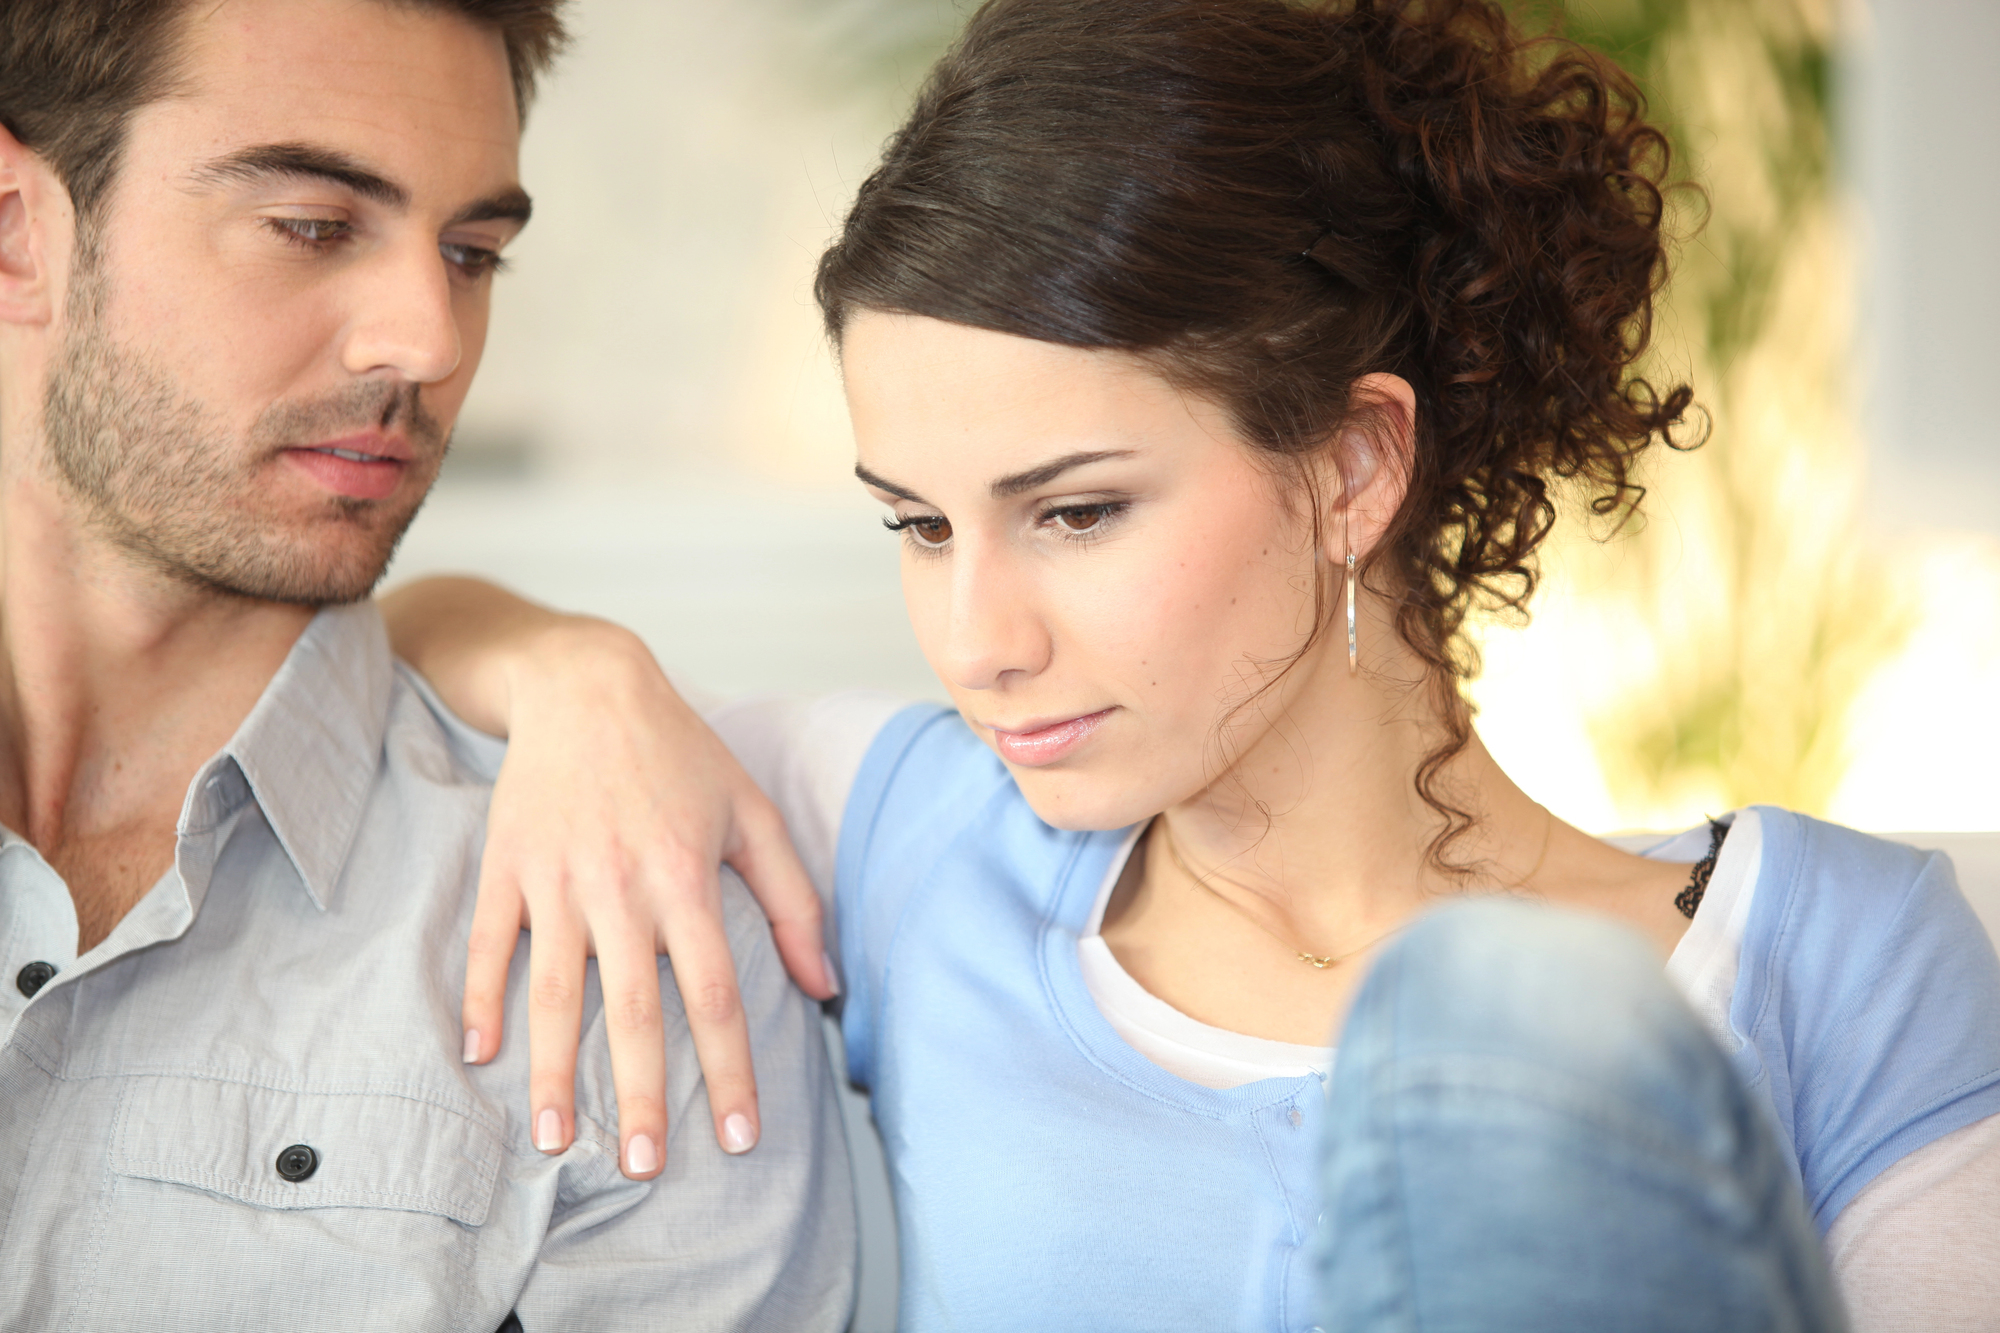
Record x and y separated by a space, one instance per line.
1047 1176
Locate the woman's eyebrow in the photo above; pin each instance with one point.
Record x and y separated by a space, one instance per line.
1012 484
1049 471
884 484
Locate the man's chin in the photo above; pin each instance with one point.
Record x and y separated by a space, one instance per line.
324 569
294 585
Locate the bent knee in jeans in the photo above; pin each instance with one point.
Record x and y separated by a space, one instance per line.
1529 1128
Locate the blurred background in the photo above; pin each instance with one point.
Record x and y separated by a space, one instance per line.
1809 613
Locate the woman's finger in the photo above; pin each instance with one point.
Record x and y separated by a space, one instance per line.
497 918
762 853
705 972
628 973
556 951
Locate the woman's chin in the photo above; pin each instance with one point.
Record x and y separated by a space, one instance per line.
1079 802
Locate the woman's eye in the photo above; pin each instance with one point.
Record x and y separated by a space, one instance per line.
1078 520
924 529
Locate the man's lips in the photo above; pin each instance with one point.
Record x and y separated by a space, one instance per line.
1042 743
361 467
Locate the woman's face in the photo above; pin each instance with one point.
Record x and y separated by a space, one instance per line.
1098 569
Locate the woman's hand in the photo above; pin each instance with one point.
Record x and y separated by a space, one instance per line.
614 809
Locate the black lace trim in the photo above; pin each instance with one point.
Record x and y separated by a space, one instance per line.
1689 898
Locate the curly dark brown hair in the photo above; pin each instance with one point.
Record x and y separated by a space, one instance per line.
1271 200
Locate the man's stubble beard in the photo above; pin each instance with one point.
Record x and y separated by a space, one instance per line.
164 482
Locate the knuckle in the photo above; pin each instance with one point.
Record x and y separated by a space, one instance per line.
639 1108
552 990
760 816
634 1014
484 999
487 946
677 863
713 1001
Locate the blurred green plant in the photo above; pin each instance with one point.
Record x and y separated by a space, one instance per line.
1745 612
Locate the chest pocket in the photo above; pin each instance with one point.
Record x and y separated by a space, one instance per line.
318 1209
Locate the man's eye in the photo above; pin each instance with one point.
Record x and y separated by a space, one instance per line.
472 260
924 529
310 232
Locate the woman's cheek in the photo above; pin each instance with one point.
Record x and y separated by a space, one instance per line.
927 599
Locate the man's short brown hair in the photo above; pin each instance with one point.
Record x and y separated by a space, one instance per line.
72 72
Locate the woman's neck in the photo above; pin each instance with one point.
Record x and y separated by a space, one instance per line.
1315 844
1320 815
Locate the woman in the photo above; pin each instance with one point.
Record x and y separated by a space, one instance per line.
1212 358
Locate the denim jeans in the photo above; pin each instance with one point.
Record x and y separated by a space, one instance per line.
1531 1131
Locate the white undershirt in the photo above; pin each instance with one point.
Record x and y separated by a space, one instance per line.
1211 1056
1703 966
1917 1251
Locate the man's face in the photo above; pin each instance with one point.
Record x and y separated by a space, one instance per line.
271 329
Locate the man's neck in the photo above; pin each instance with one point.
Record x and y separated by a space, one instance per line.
117 682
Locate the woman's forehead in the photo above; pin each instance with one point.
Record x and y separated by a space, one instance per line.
927 393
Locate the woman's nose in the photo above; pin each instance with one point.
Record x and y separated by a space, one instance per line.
993 626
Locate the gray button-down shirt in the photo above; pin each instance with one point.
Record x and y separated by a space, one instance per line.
295 979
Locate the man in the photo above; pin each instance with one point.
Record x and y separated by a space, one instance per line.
246 248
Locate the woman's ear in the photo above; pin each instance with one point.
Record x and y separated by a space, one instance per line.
1376 451
29 195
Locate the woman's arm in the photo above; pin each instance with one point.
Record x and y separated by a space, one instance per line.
1918 1251
613 812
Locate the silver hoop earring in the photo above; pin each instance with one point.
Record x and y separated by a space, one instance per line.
1353 652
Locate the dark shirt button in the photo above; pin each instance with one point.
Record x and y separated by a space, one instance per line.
297 1163
33 977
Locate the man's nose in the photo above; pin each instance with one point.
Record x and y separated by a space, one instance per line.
994 626
404 319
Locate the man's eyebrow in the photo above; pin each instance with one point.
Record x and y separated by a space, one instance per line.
512 205
326 164
1049 471
304 161
884 484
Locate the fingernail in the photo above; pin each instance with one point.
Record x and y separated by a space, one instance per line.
472 1047
832 977
641 1157
737 1136
548 1131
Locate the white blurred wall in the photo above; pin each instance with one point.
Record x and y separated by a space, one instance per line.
656 433
1922 124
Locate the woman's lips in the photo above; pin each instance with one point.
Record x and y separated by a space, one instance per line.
1046 744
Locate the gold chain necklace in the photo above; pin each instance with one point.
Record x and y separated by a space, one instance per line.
1320 961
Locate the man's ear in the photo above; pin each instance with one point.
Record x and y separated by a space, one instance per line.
1376 452
34 206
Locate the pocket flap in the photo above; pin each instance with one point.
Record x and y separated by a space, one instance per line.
372 1149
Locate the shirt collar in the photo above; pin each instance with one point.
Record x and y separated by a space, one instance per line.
312 746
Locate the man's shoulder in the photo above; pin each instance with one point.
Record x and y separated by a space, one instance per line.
422 726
